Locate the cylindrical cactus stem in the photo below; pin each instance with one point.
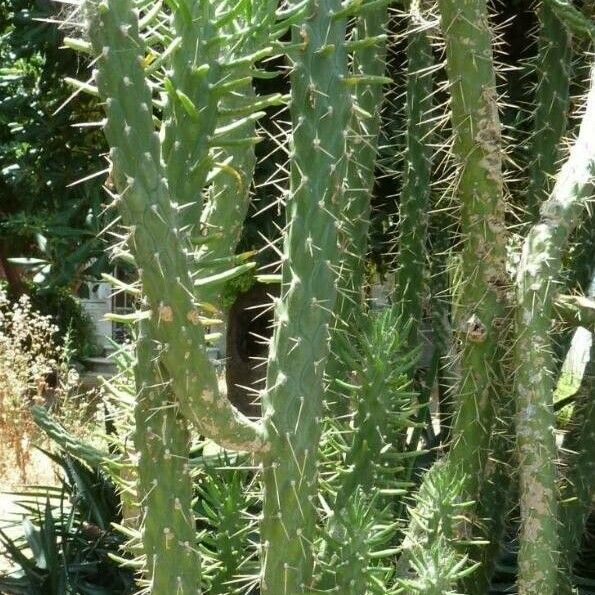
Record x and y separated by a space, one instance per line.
229 196
362 147
579 478
415 194
155 239
539 268
292 400
368 59
190 114
165 491
481 309
551 105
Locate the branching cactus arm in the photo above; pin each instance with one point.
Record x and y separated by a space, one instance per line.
539 268
234 151
191 109
155 238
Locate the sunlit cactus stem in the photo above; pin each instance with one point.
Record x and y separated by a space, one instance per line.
292 400
480 315
156 240
165 492
190 114
369 58
235 157
481 311
538 270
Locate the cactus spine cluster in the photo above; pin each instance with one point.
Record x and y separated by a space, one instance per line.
337 485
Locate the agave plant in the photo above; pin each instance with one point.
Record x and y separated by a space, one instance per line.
65 538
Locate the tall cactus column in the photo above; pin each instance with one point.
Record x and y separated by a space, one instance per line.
415 195
162 439
481 306
292 402
538 270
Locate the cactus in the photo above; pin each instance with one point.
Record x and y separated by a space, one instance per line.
552 105
415 194
435 559
578 486
339 494
369 59
384 407
162 440
156 239
540 265
358 548
292 400
481 308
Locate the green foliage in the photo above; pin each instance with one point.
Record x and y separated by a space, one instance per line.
74 325
64 542
43 151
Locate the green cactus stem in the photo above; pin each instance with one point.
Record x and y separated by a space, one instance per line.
162 440
539 268
578 483
577 22
229 195
293 398
481 308
156 241
71 444
368 59
384 404
190 114
551 105
437 565
415 194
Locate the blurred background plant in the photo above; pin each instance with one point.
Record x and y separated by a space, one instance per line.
51 211
34 368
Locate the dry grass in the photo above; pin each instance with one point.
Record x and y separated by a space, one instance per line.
33 369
